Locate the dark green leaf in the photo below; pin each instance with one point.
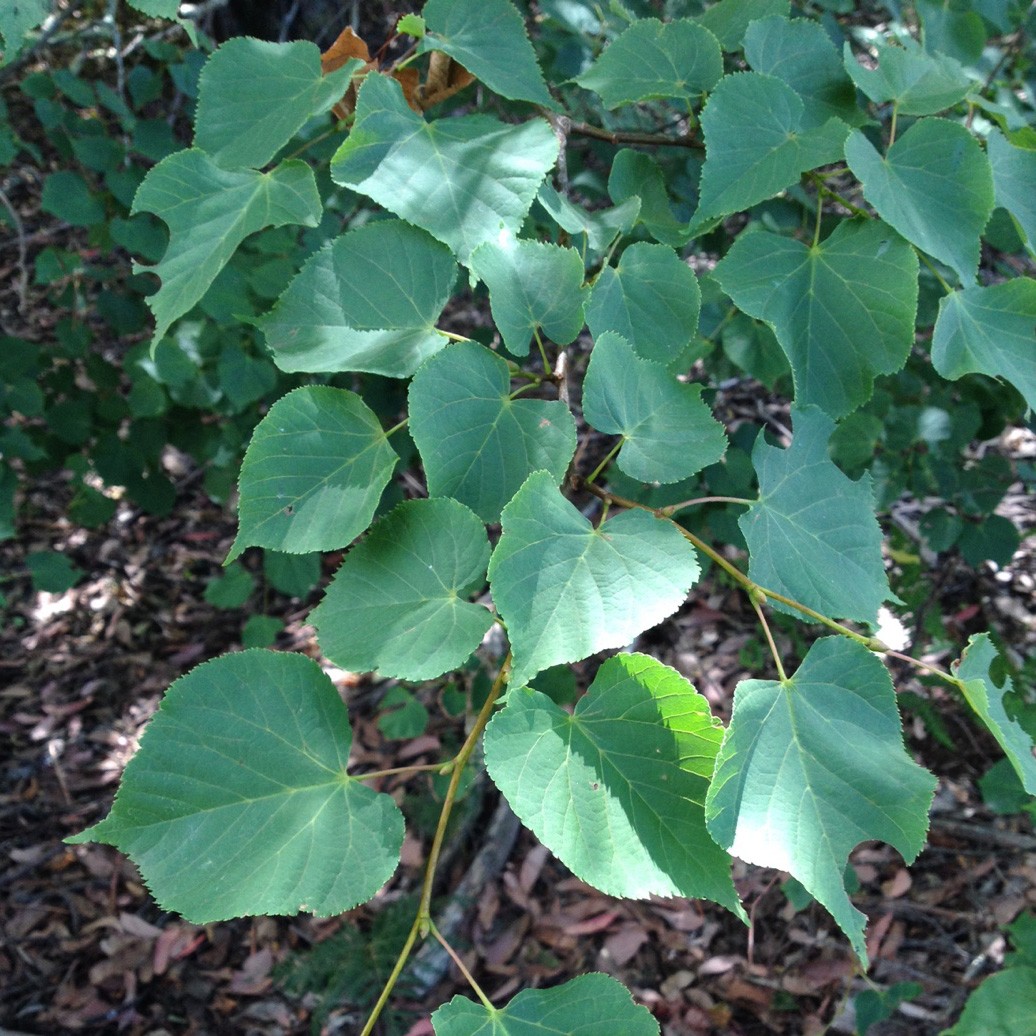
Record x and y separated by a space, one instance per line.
651 298
368 301
238 801
313 473
729 19
917 82
52 572
636 175
209 212
801 53
843 310
757 143
399 604
1014 181
934 186
590 1005
254 96
669 433
812 766
989 330
477 444
655 60
532 285
566 589
813 535
67 196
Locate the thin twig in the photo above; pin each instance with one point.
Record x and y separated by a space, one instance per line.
22 285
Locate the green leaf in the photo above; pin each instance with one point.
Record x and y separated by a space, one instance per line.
367 301
209 212
488 38
989 330
1014 182
566 589
1003 1005
843 310
636 175
477 444
401 716
532 285
293 575
601 226
668 432
814 765
986 697
916 82
411 25
462 179
67 196
585 1006
617 789
17 20
812 535
238 801
231 589
398 604
934 186
52 572
254 96
655 60
729 19
313 473
651 298
757 143
260 631
801 54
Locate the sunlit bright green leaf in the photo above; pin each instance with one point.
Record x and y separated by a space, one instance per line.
462 179
990 330
478 445
617 789
239 803
843 310
313 473
934 186
813 535
655 60
566 589
668 431
209 212
399 602
367 301
814 765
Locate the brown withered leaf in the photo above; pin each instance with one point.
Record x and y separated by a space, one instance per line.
345 48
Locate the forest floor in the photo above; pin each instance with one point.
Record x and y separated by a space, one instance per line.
83 948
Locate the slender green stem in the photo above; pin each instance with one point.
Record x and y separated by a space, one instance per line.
938 276
820 213
699 500
727 317
397 970
461 967
460 761
754 598
452 337
543 353
397 427
871 643
829 192
583 129
892 126
423 922
923 665
604 463
422 768
338 127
